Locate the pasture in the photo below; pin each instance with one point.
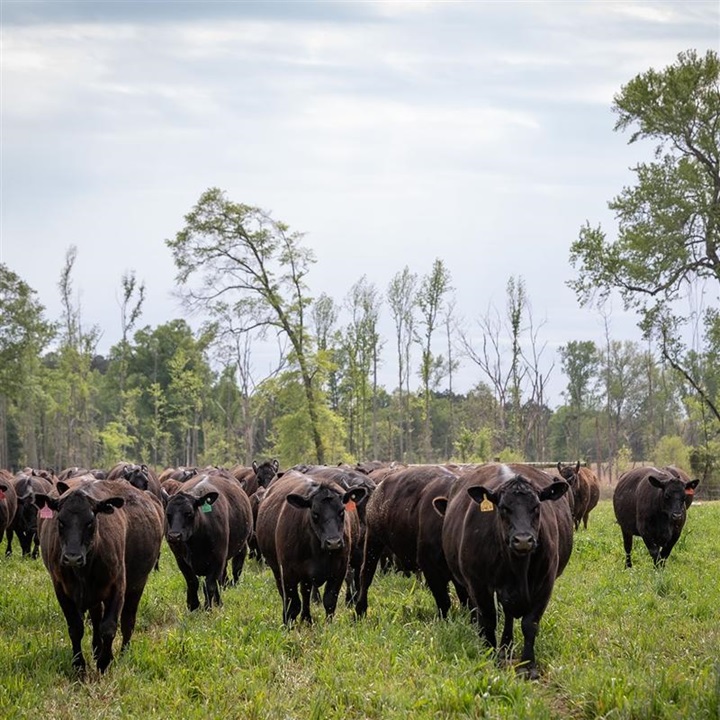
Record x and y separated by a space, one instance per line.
623 644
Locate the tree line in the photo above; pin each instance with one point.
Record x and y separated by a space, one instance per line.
171 395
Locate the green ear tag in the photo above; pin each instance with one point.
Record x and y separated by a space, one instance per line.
206 507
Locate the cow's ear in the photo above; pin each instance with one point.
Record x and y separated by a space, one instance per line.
559 466
692 484
208 498
107 507
554 491
298 501
275 464
657 482
478 493
62 487
255 466
42 500
577 467
440 505
355 495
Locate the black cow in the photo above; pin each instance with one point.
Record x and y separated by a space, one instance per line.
139 476
585 490
508 533
24 524
257 476
208 523
304 534
348 478
652 503
99 546
401 518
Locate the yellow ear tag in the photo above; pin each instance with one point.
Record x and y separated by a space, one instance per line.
486 506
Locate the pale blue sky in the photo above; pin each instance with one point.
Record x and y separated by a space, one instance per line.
391 133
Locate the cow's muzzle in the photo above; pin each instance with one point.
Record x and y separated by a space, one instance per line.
523 543
73 559
334 544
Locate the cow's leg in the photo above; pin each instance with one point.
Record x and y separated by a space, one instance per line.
9 536
506 640
212 587
238 562
462 594
371 556
330 596
76 628
307 590
192 583
530 624
485 615
129 615
291 602
654 550
36 546
25 539
438 583
108 626
627 544
96 614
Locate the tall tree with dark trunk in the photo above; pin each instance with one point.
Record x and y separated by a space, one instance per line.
230 254
669 222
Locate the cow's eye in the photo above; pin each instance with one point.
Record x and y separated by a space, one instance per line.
315 516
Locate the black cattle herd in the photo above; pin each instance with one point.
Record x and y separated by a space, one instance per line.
500 534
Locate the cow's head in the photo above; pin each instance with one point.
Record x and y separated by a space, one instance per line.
517 504
674 494
327 512
265 472
76 517
569 473
137 476
183 512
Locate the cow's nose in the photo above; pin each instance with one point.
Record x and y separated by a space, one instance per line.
173 537
333 543
73 559
677 516
523 542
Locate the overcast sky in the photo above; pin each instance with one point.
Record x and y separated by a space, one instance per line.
391 133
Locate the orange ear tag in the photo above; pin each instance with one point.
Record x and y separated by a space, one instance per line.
689 491
486 506
2 495
350 505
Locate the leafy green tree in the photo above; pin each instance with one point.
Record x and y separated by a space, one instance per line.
431 302
230 255
402 299
668 235
580 363
24 334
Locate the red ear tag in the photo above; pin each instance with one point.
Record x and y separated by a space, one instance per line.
45 512
689 491
350 505
2 495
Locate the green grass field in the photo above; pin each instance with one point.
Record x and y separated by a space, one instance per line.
614 643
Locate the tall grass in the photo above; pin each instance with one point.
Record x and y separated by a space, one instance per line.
614 643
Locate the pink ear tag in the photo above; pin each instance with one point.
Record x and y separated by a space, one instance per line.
350 505
45 512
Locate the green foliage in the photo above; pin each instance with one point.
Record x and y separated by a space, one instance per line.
624 459
510 455
115 441
474 445
671 450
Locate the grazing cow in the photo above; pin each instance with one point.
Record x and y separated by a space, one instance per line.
400 517
27 485
208 523
585 489
652 503
508 534
8 501
99 543
304 534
